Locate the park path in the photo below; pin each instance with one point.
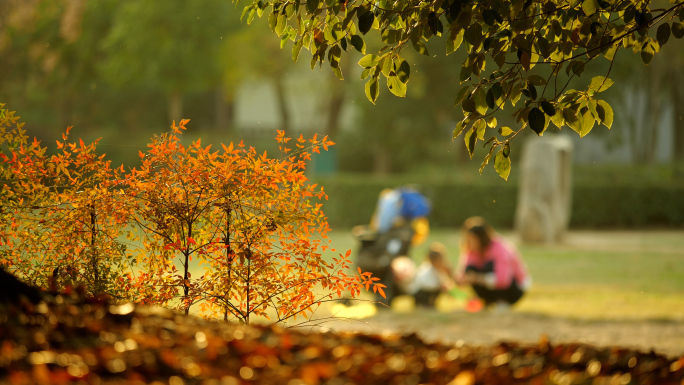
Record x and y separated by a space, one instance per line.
487 328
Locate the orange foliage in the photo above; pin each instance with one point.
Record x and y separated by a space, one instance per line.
252 224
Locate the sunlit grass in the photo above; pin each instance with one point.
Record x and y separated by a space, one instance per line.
633 275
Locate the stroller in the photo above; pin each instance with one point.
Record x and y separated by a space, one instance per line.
391 235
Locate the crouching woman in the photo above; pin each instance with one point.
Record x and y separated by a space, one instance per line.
492 266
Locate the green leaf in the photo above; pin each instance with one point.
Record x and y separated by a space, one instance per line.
470 139
599 84
455 39
557 119
678 30
533 91
577 67
280 25
607 120
591 105
366 20
272 20
461 95
396 86
283 40
420 47
473 35
589 7
312 5
365 73
502 165
490 99
465 74
296 48
663 33
435 24
647 54
369 60
468 105
251 15
536 120
390 36
459 128
516 91
372 89
488 17
537 80
505 131
403 70
350 15
337 70
587 123
386 65
507 149
480 98
358 44
610 52
246 10
485 161
571 120
480 126
548 108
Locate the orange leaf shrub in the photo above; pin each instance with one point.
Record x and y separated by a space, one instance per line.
63 222
252 226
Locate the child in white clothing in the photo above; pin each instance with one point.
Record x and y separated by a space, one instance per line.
431 278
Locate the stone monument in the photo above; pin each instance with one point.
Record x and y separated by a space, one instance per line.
545 194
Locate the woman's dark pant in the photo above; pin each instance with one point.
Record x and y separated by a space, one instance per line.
510 295
426 298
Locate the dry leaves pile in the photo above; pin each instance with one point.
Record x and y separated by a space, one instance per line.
65 339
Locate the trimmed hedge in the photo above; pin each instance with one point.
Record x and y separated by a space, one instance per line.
627 206
352 202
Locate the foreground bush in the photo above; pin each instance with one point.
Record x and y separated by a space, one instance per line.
252 223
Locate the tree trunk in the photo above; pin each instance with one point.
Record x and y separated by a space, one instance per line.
655 108
175 106
642 110
223 111
381 161
282 104
335 110
677 92
336 103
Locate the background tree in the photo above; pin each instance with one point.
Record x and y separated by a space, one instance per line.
166 43
649 97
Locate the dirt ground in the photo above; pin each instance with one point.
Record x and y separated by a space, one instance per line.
487 328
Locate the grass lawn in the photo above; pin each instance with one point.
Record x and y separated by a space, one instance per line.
635 275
